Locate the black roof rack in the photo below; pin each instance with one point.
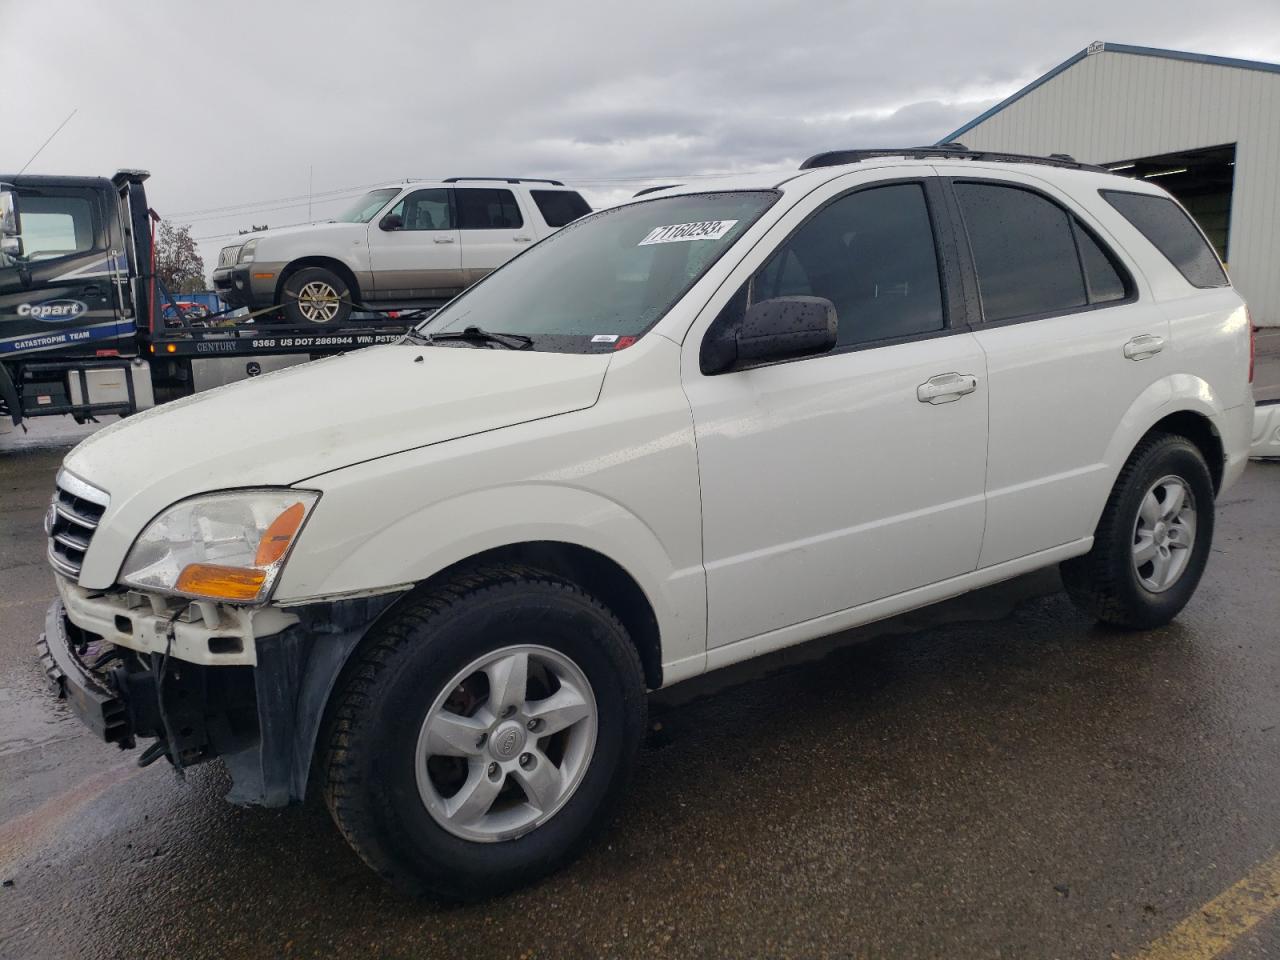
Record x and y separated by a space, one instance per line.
554 183
665 186
954 151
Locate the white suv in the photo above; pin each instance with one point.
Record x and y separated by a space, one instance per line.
704 425
419 242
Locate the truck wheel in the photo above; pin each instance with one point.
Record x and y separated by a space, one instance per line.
316 295
484 733
1152 543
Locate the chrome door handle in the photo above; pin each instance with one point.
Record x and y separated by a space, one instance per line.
522 239
946 387
443 239
1143 346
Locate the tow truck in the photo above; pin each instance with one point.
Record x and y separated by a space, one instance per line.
83 325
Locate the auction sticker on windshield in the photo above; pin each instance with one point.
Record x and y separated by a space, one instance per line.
678 232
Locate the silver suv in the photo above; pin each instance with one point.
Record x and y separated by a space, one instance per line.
419 242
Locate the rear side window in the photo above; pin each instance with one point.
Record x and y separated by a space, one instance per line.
1173 233
1024 252
870 253
1101 276
559 207
484 209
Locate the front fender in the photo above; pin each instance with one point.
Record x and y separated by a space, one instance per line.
420 544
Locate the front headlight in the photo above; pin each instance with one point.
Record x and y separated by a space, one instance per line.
246 251
222 546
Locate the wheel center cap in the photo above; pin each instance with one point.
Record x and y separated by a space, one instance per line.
507 741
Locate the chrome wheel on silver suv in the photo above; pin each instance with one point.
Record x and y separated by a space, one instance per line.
315 295
318 301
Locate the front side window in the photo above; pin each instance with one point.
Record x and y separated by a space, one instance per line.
424 210
606 277
1173 233
56 223
870 253
367 207
1024 252
487 209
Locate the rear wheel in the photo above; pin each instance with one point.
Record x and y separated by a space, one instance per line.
483 736
1153 541
316 295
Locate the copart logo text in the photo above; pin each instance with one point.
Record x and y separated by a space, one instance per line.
52 311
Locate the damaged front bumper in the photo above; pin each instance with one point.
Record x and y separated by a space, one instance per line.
187 685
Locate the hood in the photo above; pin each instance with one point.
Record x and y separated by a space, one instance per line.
283 427
302 228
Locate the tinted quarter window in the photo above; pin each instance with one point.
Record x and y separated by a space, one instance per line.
1101 275
872 254
1171 232
1023 251
487 210
425 210
559 207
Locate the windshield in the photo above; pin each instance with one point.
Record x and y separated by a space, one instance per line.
606 277
363 210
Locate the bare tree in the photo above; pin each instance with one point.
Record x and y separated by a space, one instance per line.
178 262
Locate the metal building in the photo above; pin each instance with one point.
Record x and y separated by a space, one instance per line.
1205 128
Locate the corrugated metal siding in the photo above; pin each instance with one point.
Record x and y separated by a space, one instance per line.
1117 106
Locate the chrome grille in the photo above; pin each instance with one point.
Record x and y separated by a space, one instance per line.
228 256
72 518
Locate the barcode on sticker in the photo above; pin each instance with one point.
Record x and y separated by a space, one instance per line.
681 232
605 338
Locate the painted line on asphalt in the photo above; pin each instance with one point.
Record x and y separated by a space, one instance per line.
1218 925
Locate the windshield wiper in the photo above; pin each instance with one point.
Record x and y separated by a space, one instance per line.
473 334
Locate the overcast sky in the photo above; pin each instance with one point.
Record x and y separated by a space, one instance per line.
234 106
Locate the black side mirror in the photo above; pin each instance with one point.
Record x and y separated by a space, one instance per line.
779 329
392 221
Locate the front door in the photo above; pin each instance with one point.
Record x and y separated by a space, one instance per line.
59 295
836 480
414 250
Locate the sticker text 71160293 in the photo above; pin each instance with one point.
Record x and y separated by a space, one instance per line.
681 232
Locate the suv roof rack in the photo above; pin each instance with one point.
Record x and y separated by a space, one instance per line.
956 151
554 183
665 186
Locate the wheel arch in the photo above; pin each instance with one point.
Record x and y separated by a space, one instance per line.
328 263
597 574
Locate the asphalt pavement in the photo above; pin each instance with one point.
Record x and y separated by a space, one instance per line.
995 777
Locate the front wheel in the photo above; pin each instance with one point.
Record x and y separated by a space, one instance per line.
484 734
1152 543
315 295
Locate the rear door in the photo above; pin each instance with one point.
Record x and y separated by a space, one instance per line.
414 249
1069 345
59 296
492 228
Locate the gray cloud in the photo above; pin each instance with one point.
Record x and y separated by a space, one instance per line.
234 104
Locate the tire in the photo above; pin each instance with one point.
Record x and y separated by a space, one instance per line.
373 765
308 298
1109 582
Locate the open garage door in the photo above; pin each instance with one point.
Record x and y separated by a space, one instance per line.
1202 181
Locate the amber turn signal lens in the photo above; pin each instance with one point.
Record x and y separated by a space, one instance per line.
223 583
279 535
